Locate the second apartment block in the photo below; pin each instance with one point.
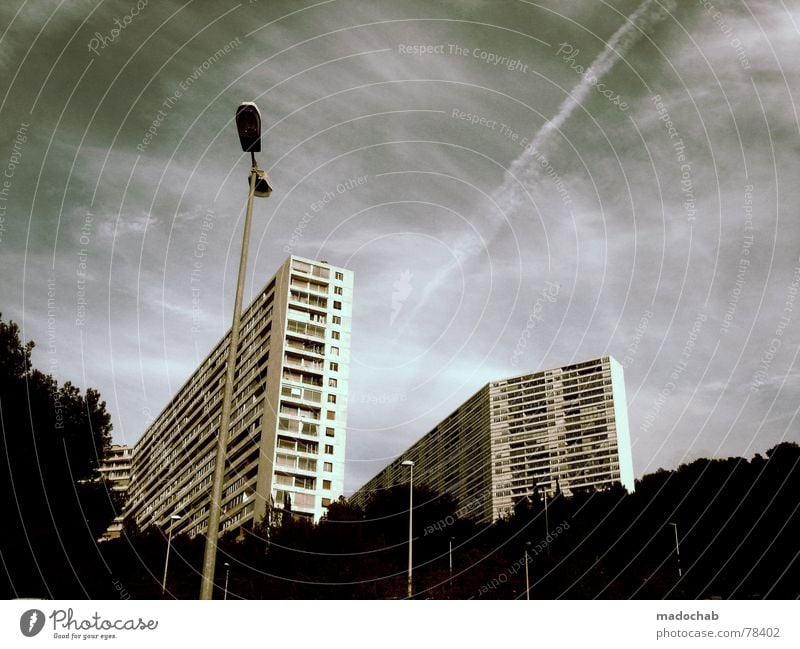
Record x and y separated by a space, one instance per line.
565 428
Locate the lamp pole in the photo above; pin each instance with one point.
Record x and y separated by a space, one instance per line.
172 520
410 465
677 549
227 574
248 122
546 523
451 566
527 579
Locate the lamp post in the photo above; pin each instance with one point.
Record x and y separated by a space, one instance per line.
410 465
172 520
546 523
527 579
248 123
227 574
677 550
451 566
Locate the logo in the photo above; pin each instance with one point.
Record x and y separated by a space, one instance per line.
31 622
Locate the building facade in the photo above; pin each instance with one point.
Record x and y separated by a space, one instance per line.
286 442
565 428
115 471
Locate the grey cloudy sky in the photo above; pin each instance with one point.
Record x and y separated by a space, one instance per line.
655 219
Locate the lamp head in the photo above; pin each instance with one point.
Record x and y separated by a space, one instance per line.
407 463
248 123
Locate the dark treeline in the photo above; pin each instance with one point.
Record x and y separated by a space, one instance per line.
737 521
53 507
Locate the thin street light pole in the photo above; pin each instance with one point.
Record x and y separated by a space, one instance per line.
546 524
215 506
677 550
527 579
451 566
227 574
410 465
172 520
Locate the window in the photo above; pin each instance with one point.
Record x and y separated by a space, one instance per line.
329 449
336 319
334 367
329 432
305 482
309 429
307 447
334 351
332 383
337 305
328 466
306 464
326 484
340 276
335 335
338 290
331 415
304 500
326 502
331 398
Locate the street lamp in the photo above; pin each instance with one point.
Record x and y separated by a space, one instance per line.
227 574
527 579
451 566
677 550
410 465
248 123
172 520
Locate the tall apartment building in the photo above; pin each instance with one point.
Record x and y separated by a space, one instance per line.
564 428
289 412
115 470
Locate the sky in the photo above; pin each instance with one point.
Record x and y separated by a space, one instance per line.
516 186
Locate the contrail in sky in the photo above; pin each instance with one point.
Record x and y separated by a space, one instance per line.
522 173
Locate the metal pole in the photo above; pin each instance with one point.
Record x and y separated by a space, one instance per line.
166 559
451 565
527 579
546 525
410 531
677 549
227 574
215 506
